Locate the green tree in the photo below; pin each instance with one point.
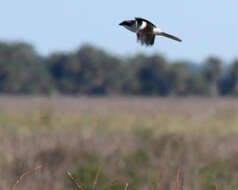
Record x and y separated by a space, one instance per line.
91 70
101 73
178 77
22 70
153 76
64 69
197 85
213 70
87 71
234 77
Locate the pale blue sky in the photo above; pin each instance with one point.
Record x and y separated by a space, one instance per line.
207 27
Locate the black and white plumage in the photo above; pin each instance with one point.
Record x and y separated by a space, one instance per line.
145 30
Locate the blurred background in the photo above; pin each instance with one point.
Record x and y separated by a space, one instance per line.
78 94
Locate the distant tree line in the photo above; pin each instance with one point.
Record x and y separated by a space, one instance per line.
92 71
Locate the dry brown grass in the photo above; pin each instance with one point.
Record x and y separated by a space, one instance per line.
136 140
75 182
25 174
178 185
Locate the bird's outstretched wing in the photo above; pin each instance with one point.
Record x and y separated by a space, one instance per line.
145 31
139 19
144 25
145 38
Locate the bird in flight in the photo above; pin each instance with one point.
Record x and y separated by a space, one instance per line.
146 31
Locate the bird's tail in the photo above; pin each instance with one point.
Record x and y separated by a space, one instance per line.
170 36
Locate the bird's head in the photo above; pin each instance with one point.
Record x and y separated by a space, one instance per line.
129 24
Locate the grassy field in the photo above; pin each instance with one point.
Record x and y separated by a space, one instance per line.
142 141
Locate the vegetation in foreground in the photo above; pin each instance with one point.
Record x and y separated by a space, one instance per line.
141 141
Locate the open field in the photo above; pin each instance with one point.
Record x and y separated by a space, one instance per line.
137 140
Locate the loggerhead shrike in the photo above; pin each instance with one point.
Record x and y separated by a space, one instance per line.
145 30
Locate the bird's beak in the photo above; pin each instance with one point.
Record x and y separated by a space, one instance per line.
122 23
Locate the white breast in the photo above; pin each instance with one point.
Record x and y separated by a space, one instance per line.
143 25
